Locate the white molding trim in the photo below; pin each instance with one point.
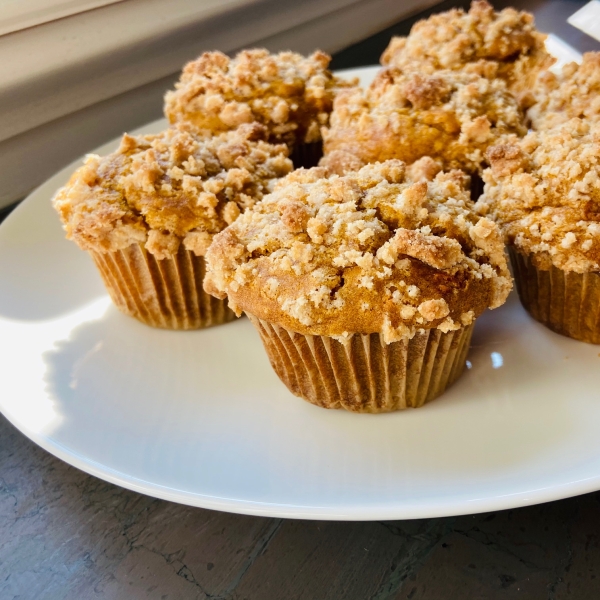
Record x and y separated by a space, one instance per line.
52 119
49 71
22 14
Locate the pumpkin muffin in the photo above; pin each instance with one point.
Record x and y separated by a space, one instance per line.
575 92
290 94
451 116
492 44
147 213
544 192
364 287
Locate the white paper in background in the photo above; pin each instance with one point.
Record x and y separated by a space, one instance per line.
21 14
587 18
563 52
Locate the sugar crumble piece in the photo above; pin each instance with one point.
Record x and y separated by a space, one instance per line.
544 192
172 187
573 93
369 251
492 44
443 120
290 94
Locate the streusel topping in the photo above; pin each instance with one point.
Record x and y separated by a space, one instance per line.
545 194
161 190
492 44
290 94
450 116
370 251
575 92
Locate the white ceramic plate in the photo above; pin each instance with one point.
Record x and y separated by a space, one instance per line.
200 418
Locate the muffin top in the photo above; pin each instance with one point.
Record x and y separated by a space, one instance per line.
368 252
450 116
545 193
160 190
492 44
575 92
290 94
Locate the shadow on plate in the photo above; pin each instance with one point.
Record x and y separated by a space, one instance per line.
117 373
180 398
32 290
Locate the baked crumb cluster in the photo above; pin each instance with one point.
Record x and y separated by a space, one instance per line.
371 251
165 189
290 94
492 44
545 193
575 92
450 116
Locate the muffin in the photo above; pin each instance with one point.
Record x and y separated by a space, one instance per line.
363 287
544 192
290 94
452 117
148 212
492 44
575 92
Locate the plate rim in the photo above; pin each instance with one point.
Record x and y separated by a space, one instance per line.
371 512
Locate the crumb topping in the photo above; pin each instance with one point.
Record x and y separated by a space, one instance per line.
452 117
491 44
290 94
165 189
544 191
425 169
370 251
575 92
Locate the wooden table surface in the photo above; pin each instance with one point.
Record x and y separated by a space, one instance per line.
67 535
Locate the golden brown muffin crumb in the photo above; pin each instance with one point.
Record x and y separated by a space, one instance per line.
544 191
575 92
424 169
340 162
367 252
452 117
290 94
492 44
169 188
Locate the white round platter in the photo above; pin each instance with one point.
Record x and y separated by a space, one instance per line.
200 418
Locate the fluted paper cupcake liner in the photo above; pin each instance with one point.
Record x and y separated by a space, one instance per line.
365 374
566 302
162 293
307 155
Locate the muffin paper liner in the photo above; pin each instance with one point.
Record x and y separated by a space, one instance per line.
365 374
162 293
564 301
307 155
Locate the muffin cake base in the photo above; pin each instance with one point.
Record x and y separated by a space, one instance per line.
163 293
564 301
365 374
